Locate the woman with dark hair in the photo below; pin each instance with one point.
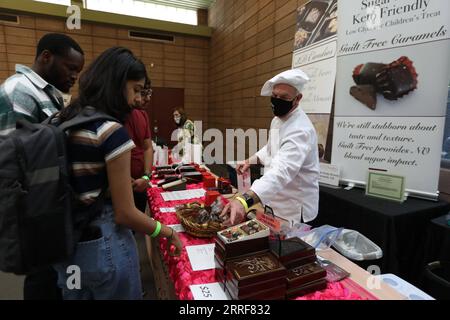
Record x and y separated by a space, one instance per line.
99 154
185 133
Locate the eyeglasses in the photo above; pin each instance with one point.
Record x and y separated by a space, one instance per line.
147 93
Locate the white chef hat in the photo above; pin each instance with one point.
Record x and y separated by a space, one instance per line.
295 78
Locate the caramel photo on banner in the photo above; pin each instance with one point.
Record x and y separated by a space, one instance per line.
393 81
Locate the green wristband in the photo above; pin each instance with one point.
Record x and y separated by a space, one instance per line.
145 177
157 230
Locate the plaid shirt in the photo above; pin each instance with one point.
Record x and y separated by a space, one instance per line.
27 95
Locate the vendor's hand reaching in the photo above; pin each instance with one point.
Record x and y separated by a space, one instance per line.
140 185
176 242
235 212
242 167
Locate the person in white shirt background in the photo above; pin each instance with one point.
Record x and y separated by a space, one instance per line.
290 184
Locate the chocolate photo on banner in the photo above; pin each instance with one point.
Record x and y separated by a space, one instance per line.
393 81
316 20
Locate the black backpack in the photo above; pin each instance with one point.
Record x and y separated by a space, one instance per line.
38 226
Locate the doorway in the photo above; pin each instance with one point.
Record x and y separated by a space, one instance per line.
160 113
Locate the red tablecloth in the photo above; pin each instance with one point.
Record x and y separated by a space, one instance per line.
180 269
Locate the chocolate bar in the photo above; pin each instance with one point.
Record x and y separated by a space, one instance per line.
177 185
367 73
168 180
253 269
183 169
158 168
292 249
192 177
162 173
397 79
304 275
307 289
366 94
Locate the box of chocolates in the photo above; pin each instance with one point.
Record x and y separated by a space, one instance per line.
208 181
292 252
255 269
306 289
245 238
248 230
271 291
301 276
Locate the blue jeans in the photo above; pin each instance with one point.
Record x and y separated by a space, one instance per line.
109 265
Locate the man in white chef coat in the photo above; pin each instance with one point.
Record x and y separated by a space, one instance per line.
290 184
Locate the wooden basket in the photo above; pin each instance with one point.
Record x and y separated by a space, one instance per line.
206 230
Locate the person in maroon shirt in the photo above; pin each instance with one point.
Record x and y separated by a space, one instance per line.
138 127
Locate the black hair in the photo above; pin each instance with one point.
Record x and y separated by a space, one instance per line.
103 84
58 44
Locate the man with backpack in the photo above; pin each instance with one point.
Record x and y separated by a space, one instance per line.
34 94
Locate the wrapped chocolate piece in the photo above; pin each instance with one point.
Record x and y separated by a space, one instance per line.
397 79
301 276
254 269
292 252
366 94
366 74
307 289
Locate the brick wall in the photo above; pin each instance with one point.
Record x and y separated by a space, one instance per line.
252 41
183 64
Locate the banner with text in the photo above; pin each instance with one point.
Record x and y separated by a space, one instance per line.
391 90
315 47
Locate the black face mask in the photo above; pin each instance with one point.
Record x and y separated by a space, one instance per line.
281 107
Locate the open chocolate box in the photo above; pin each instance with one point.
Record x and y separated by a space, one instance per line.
292 252
248 230
249 237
